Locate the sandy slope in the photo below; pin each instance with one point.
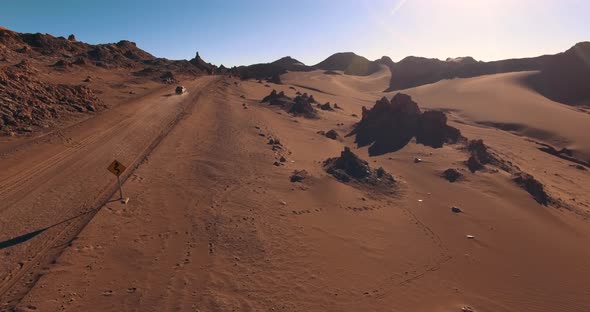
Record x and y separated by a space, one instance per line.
500 100
503 100
214 226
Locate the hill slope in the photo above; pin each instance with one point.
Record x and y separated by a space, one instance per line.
46 80
350 63
564 77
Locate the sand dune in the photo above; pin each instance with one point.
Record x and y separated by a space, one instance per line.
504 101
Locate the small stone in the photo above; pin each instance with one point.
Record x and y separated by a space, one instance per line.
452 175
456 210
470 237
299 176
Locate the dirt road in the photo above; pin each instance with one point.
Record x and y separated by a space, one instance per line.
49 189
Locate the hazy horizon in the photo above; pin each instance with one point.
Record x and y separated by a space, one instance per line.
236 33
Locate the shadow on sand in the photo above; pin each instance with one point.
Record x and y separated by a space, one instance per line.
25 237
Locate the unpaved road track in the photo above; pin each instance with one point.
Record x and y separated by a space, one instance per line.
50 189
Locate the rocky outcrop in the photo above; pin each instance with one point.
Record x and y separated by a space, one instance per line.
325 107
350 168
480 156
301 105
433 130
533 187
279 99
390 125
299 176
123 54
28 103
332 134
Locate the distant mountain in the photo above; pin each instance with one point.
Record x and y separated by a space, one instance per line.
564 77
273 69
350 63
290 64
416 71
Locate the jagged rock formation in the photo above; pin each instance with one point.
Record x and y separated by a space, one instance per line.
350 168
301 105
533 187
433 130
390 125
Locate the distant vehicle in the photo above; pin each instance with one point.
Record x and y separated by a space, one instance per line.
180 90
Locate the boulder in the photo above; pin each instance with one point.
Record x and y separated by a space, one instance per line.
299 176
332 134
452 175
326 107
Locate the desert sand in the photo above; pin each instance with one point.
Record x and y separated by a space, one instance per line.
215 223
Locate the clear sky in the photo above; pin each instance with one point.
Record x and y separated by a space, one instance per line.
252 31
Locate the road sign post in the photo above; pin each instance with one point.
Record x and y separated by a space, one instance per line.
117 169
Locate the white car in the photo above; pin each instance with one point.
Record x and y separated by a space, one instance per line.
180 90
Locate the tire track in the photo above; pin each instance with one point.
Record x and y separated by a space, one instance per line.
16 285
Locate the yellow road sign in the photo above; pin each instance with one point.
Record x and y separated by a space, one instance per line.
117 168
